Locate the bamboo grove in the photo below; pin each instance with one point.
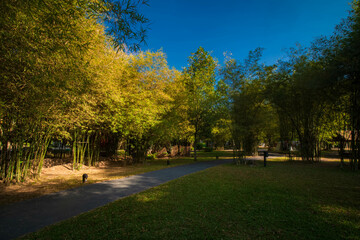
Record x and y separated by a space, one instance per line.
310 97
65 77
72 71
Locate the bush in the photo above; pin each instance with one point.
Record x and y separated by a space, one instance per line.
121 152
208 149
200 146
151 157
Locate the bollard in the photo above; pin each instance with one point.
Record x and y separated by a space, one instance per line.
168 162
84 178
217 157
266 154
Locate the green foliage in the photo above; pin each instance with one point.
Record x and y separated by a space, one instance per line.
302 82
59 79
346 61
200 146
151 157
199 80
124 22
252 115
44 48
222 124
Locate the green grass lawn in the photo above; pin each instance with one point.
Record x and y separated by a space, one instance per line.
286 200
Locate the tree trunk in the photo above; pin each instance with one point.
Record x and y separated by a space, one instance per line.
195 143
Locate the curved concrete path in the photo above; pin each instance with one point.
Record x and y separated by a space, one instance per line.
31 215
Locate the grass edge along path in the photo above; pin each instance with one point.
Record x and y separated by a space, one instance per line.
286 200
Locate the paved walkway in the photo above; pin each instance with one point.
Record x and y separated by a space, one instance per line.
31 215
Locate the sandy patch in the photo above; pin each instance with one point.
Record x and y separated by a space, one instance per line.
55 178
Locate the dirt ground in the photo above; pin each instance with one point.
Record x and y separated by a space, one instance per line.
57 177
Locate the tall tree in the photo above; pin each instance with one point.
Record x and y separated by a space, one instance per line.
348 64
47 50
300 91
199 78
248 106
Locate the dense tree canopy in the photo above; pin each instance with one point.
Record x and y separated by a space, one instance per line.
69 73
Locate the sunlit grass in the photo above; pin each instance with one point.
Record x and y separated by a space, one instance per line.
286 200
278 159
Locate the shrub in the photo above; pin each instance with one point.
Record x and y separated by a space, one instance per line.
208 149
121 152
200 146
151 157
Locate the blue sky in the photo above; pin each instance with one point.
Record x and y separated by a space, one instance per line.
179 27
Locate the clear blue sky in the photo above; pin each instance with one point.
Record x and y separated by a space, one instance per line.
179 27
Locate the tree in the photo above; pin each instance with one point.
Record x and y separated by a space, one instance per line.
46 71
222 127
300 91
199 79
347 62
151 101
248 106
